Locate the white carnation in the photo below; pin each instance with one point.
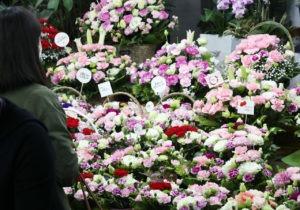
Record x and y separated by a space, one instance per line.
230 164
131 161
152 134
255 139
211 140
267 85
83 144
220 146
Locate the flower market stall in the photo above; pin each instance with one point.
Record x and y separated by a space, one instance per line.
174 127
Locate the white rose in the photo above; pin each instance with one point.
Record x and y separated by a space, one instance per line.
152 134
220 146
83 144
211 140
135 22
255 139
267 85
249 168
117 3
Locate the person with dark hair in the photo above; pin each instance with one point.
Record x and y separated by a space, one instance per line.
23 82
27 178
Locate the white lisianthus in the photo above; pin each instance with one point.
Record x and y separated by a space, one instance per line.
230 205
161 118
203 49
99 179
135 22
118 120
171 70
151 1
230 164
220 146
130 181
249 168
162 158
95 25
202 41
195 135
71 67
83 144
103 143
289 54
117 3
135 12
187 201
282 207
92 15
131 161
133 137
268 95
255 139
211 140
152 134
113 72
267 85
141 4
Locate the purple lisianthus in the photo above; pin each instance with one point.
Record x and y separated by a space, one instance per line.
267 172
105 16
293 108
145 77
117 192
233 173
162 69
248 177
210 155
202 80
172 80
128 18
282 179
255 58
230 145
144 12
264 53
117 111
120 10
203 65
195 170
295 195
191 50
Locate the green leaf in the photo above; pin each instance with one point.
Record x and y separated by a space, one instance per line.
293 159
68 4
46 13
207 122
53 4
38 3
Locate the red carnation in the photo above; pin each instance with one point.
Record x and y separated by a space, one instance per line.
87 131
179 131
120 172
160 186
72 122
86 175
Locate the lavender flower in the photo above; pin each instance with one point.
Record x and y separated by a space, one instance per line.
233 173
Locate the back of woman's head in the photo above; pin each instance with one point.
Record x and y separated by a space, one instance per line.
19 49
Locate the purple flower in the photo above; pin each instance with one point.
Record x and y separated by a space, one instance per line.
203 65
104 16
267 172
219 161
184 208
145 77
263 53
144 12
66 105
172 80
282 179
233 173
195 170
128 18
248 178
298 90
163 15
192 50
230 145
255 58
293 108
295 195
162 69
112 110
117 192
202 80
120 10
210 155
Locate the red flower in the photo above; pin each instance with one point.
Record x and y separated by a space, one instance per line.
85 175
120 172
72 122
87 131
160 186
179 131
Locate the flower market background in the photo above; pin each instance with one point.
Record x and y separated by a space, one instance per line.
180 104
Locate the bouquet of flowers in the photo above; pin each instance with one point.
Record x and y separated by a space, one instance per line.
50 51
263 53
129 21
100 60
183 67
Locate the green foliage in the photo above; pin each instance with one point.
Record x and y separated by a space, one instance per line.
293 159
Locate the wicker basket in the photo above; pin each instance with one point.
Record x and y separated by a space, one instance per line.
139 53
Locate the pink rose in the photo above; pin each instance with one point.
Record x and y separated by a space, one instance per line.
276 56
277 105
253 86
247 61
224 94
258 100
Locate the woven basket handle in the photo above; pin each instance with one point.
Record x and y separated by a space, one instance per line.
141 111
176 94
60 88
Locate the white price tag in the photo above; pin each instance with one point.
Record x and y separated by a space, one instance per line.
149 106
84 75
215 79
105 89
138 129
159 85
61 39
246 107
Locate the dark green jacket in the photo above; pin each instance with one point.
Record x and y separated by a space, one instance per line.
43 103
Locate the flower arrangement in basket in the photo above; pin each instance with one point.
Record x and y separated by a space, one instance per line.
129 21
100 60
183 67
263 53
50 51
